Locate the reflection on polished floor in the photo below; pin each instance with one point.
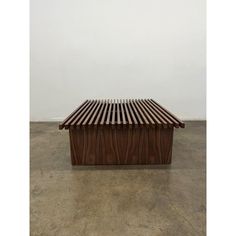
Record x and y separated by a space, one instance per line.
117 200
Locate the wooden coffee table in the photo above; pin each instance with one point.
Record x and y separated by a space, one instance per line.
121 131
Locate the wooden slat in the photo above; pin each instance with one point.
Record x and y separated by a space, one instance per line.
73 123
118 112
73 115
100 113
166 114
131 112
113 121
136 112
181 124
158 120
109 113
90 113
145 113
141 113
158 113
127 113
95 113
104 113
122 113
79 121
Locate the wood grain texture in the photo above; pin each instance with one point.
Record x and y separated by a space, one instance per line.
120 145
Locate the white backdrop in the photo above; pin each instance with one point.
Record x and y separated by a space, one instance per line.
117 49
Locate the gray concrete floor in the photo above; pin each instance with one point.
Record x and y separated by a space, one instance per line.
117 200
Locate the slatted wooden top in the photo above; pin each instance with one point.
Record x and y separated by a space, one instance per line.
137 112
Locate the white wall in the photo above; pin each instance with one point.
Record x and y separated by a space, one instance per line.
117 49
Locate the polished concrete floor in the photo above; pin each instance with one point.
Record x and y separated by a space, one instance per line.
117 200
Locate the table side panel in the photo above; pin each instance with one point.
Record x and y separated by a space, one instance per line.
121 145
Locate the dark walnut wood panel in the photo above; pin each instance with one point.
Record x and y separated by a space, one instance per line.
121 131
119 146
